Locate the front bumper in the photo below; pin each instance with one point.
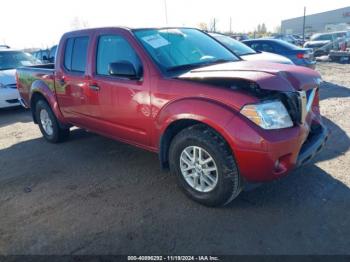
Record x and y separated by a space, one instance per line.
9 97
311 65
266 155
308 63
316 140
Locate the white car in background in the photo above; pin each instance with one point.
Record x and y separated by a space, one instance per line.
9 61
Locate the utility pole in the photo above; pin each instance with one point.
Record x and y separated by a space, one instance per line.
304 23
166 12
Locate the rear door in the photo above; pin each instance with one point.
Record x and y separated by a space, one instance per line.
72 83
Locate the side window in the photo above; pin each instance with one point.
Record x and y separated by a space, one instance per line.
68 54
256 46
75 56
114 48
267 48
52 52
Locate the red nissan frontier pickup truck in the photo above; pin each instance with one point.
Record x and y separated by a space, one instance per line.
216 122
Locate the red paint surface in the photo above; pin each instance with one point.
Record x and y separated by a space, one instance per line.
138 112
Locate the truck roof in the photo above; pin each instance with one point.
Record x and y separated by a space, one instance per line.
90 30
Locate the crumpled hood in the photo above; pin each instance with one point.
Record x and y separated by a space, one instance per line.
8 77
269 76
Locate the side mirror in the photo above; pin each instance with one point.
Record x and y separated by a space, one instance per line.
123 69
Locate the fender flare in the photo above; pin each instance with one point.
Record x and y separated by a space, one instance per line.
48 92
201 110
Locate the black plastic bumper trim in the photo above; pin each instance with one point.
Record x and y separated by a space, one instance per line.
313 146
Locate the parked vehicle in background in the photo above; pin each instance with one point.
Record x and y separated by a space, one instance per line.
299 56
46 55
4 47
52 54
288 38
247 53
42 55
300 39
217 122
239 37
332 40
9 61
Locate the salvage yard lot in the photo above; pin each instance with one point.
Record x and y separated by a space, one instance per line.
91 195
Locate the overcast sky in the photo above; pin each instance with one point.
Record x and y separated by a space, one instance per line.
40 23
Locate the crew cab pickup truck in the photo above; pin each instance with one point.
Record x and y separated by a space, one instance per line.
216 122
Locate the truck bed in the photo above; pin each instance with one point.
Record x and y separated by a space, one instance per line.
30 77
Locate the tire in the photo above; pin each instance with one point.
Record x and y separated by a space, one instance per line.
227 185
44 114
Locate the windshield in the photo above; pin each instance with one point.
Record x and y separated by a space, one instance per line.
14 59
234 45
182 49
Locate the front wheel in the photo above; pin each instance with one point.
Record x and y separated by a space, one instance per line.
204 166
48 123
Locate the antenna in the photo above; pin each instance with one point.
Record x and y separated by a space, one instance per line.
166 12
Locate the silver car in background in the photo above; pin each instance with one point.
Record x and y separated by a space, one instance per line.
9 61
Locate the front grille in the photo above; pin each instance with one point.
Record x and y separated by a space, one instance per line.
310 96
299 104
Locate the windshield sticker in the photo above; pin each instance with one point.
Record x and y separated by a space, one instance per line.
155 41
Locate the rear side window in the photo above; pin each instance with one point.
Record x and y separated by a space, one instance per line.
68 54
267 48
115 48
255 46
75 56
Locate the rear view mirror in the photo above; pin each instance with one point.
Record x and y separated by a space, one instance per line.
45 58
123 69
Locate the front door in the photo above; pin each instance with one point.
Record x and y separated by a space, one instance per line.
120 106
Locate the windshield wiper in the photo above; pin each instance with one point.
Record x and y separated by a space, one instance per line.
183 67
198 65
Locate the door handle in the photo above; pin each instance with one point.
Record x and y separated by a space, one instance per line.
94 87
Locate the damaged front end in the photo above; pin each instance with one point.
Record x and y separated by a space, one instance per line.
297 103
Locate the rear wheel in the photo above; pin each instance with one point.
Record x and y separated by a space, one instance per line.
204 166
48 123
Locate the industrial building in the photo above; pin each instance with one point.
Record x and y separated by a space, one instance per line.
335 20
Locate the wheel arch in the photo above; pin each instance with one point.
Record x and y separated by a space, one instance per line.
41 91
215 116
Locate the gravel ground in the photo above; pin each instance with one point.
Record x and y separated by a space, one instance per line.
92 195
